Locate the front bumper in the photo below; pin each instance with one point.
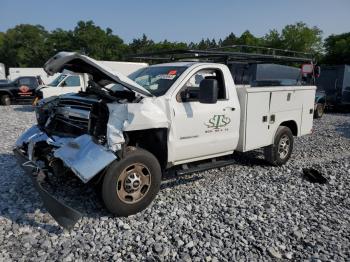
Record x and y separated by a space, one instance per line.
63 214
81 155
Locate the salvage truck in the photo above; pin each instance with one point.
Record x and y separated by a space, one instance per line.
123 133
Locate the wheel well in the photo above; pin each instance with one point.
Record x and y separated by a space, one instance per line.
4 93
292 125
153 140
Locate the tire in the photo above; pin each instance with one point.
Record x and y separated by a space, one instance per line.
5 100
280 151
131 183
319 111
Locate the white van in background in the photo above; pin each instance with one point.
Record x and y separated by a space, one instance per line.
15 72
2 72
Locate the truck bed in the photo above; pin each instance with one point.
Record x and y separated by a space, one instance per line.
264 109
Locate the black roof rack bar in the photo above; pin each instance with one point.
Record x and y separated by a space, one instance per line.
264 48
180 54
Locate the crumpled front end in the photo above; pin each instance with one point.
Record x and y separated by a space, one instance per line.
69 136
82 155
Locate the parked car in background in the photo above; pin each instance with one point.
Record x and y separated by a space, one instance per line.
67 82
20 90
320 103
335 83
15 72
73 82
256 74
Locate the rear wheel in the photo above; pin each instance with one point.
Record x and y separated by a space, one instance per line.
280 151
5 100
131 183
319 111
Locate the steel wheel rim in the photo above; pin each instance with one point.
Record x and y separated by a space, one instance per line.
320 110
134 183
284 146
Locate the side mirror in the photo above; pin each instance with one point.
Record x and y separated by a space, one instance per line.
63 84
307 69
208 91
185 96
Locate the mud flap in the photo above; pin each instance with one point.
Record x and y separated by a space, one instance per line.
64 215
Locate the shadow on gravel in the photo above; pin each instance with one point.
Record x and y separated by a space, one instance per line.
344 129
251 158
24 108
20 202
172 180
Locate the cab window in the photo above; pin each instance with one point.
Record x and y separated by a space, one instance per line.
192 85
25 82
72 81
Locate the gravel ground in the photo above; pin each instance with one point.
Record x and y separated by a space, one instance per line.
247 211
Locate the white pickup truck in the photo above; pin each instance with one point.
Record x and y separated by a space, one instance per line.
74 82
181 115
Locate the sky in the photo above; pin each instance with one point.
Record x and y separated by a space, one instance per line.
179 20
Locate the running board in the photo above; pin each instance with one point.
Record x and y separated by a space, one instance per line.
205 166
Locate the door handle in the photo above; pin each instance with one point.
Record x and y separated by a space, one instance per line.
230 108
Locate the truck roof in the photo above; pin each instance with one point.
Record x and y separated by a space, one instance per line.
180 64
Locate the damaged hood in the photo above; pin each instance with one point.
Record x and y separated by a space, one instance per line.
78 63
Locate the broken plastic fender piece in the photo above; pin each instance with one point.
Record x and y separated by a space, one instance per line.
84 157
64 215
314 176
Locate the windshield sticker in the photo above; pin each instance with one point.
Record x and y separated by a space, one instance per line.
167 77
172 72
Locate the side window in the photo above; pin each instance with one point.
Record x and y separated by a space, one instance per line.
72 81
24 82
192 85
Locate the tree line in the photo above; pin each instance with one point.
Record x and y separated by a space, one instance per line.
28 45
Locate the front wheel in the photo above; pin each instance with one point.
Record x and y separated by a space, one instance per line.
319 110
280 151
5 100
131 183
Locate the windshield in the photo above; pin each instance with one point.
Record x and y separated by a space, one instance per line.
57 80
157 80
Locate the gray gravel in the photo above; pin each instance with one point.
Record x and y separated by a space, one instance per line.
247 211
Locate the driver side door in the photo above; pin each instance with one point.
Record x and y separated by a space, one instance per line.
201 130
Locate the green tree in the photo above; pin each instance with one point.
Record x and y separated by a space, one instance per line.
93 41
231 39
300 37
60 40
141 45
273 39
24 46
337 49
248 38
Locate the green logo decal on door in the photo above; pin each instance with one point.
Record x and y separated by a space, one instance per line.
218 121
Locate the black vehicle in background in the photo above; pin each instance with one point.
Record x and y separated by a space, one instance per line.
21 90
265 74
334 82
